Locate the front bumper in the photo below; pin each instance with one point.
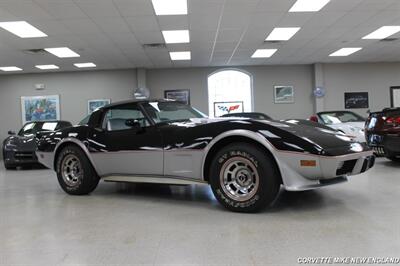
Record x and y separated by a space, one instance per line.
327 170
20 157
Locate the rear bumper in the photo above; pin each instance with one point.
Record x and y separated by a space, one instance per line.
392 145
385 145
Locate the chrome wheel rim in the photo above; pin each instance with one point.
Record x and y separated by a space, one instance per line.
239 178
71 170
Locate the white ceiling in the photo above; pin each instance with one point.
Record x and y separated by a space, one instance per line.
111 33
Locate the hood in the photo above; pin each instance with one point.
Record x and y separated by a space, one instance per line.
356 125
21 143
283 135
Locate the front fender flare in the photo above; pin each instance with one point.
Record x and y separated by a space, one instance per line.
255 136
73 141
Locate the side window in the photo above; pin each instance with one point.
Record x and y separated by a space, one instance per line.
115 119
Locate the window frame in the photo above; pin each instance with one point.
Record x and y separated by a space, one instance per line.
116 107
164 122
252 99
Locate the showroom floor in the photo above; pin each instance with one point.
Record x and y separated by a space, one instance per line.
143 224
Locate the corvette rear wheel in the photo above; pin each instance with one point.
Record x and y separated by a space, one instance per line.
75 172
244 178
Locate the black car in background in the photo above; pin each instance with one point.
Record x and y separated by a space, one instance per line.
382 131
19 149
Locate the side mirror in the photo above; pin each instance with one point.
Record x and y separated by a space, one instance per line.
10 132
133 123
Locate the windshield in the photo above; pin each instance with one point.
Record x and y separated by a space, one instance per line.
84 121
171 111
33 128
340 117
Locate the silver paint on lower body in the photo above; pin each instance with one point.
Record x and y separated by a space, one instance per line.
137 162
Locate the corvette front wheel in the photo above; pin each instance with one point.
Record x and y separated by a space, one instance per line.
75 173
244 178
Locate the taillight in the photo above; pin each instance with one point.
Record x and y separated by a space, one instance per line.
314 118
393 121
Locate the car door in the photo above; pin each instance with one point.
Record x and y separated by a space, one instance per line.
127 143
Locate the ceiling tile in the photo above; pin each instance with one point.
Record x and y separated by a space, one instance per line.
143 23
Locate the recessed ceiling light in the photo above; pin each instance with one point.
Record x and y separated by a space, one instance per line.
282 34
308 5
84 65
44 67
180 55
170 7
10 68
62 52
382 33
346 51
263 53
22 29
176 36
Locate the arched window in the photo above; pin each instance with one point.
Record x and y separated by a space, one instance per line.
229 91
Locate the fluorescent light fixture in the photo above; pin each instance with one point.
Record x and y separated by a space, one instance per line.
170 7
308 5
45 67
346 51
10 68
282 34
62 52
382 33
176 36
180 55
22 29
84 65
263 53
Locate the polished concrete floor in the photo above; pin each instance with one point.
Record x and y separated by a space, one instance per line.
122 224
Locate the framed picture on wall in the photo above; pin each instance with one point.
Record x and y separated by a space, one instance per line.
356 100
395 97
43 108
222 108
283 94
97 103
182 96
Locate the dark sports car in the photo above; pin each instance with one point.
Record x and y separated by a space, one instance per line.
244 160
382 131
19 149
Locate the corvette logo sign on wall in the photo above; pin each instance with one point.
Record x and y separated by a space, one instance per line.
222 108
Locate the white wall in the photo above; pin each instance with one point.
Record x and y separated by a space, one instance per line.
74 88
374 78
264 79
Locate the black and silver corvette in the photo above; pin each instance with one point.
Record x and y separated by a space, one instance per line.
245 161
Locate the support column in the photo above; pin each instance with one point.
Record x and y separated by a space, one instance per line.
319 81
141 77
